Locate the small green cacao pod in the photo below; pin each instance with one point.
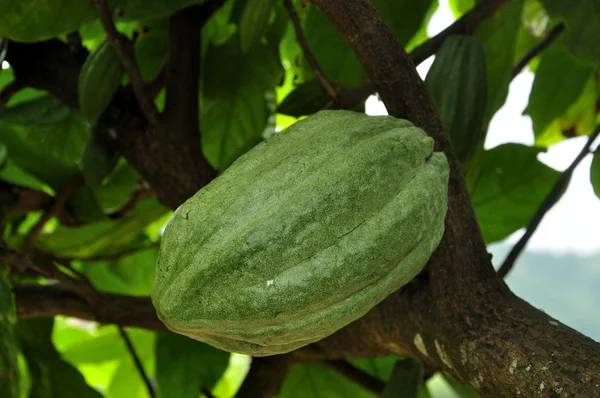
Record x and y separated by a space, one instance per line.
457 82
99 80
303 234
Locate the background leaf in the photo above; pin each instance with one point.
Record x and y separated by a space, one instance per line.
512 186
184 366
51 376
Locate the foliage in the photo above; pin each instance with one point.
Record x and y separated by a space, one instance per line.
255 80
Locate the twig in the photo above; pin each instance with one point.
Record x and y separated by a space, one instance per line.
7 92
124 50
357 376
41 265
538 48
138 363
546 205
57 206
466 25
265 377
308 55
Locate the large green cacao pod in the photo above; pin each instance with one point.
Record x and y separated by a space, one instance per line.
303 234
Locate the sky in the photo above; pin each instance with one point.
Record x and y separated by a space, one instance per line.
573 224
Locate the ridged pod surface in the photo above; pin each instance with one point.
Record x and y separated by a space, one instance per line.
99 80
303 234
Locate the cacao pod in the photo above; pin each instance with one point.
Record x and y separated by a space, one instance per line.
99 80
303 234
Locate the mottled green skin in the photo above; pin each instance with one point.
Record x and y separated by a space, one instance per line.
303 235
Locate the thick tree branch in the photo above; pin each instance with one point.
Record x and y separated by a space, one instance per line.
124 49
308 55
538 48
549 202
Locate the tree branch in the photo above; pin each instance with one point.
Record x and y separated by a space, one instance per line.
308 55
138 363
550 200
125 52
538 48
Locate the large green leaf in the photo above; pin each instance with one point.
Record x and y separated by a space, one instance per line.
380 367
9 366
512 186
27 20
595 173
319 381
184 366
582 20
51 376
463 390
559 81
105 237
234 108
117 190
404 17
499 34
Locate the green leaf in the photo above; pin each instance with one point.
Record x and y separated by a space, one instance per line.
406 380
499 34
512 186
43 19
51 376
105 237
9 366
254 22
318 381
107 345
457 82
234 108
582 20
308 98
460 7
559 81
595 173
332 52
99 157
380 367
117 190
185 366
151 49
44 139
463 390
132 274
404 17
